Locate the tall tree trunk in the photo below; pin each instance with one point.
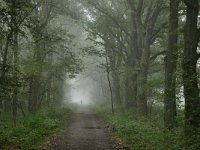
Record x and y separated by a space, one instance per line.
116 82
130 89
135 55
142 79
35 82
5 55
170 68
141 41
16 63
39 55
4 95
109 84
49 92
34 94
14 28
116 90
49 84
191 90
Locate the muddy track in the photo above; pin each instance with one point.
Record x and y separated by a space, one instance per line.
84 132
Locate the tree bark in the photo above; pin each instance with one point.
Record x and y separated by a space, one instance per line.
35 82
39 55
130 89
116 63
109 84
116 89
144 33
34 94
191 90
15 90
5 55
15 29
170 68
142 79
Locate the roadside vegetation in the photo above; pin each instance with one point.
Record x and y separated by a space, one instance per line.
32 130
144 134
37 60
140 57
151 54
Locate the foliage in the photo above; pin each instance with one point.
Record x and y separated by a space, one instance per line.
145 61
142 133
31 130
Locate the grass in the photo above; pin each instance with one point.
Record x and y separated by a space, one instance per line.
31 130
142 133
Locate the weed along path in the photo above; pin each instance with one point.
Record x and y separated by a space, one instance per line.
84 132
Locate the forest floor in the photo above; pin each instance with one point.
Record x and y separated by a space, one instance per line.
85 131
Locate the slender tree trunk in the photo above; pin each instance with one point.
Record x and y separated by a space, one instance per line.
116 82
20 106
16 63
170 68
15 29
130 89
49 94
35 82
111 92
49 86
116 90
134 59
34 94
191 90
39 55
5 55
5 95
142 78
110 85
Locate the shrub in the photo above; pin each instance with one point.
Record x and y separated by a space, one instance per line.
142 133
30 131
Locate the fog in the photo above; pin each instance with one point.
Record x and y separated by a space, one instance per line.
80 91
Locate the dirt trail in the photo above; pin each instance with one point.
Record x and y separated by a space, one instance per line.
84 132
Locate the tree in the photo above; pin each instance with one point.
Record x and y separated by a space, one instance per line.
190 57
130 36
144 32
34 47
17 11
170 67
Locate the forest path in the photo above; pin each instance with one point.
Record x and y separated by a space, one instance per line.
85 131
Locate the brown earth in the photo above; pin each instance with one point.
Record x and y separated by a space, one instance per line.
85 131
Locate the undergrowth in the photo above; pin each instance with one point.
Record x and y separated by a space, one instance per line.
142 133
31 130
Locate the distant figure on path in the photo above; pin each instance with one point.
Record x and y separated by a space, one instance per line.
81 102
